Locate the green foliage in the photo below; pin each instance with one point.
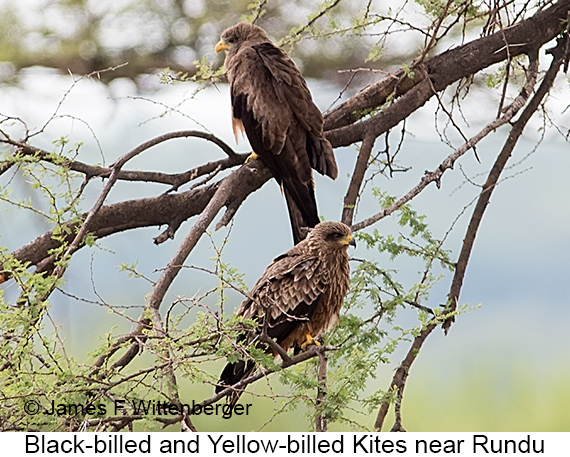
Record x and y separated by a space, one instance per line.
256 11
154 35
205 72
35 369
514 70
433 8
168 76
437 8
375 54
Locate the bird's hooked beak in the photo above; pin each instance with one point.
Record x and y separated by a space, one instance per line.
349 241
221 46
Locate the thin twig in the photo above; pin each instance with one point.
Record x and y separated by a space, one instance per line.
321 420
448 163
399 379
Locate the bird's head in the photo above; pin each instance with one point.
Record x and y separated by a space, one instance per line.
233 37
332 235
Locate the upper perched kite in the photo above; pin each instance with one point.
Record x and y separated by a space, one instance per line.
272 104
300 294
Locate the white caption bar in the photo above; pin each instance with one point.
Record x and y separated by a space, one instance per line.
282 444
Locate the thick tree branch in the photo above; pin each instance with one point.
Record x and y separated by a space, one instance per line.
444 69
166 209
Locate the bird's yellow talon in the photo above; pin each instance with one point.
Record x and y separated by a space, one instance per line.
308 341
252 156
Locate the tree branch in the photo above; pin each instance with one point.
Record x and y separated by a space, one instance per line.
322 419
410 90
166 209
399 380
559 54
400 377
228 188
449 162
356 181
309 353
91 171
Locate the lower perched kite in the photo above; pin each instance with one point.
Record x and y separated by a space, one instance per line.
300 294
272 104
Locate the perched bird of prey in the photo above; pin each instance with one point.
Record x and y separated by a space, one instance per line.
298 297
272 104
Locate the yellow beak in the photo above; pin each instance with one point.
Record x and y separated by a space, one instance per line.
221 46
349 241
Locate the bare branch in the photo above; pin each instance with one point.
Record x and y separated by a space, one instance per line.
356 180
175 179
401 375
277 348
499 165
311 352
448 163
443 69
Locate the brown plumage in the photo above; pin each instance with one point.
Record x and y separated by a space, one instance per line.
300 293
272 104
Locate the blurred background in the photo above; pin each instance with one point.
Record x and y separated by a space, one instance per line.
504 365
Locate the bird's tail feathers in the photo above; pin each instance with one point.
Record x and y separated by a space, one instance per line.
231 375
302 206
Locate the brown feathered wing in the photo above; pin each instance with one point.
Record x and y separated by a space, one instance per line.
271 100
